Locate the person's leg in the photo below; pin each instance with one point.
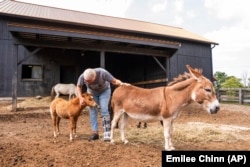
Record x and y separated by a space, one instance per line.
93 115
104 103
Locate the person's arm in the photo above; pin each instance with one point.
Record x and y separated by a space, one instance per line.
79 92
119 82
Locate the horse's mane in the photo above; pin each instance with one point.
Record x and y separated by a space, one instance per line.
183 77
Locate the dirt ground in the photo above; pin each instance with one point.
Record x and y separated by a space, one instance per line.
26 137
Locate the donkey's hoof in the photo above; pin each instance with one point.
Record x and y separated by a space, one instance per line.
125 141
170 148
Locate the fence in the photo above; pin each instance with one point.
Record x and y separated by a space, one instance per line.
234 95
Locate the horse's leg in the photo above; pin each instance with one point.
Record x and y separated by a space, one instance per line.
57 94
74 127
71 127
167 124
54 123
122 127
57 124
114 123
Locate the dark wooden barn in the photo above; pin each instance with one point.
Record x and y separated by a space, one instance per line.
41 46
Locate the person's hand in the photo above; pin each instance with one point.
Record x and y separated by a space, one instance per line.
125 84
82 101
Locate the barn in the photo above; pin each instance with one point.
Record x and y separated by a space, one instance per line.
41 46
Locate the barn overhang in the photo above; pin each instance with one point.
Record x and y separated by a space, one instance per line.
89 39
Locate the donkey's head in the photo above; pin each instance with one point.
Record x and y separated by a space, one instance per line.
204 92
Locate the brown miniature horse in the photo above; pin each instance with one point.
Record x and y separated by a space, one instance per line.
162 103
60 108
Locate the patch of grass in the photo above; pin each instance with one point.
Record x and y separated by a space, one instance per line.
182 133
191 133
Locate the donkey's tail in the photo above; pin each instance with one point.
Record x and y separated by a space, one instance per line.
52 93
111 112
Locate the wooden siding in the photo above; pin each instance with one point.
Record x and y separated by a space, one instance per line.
195 54
132 68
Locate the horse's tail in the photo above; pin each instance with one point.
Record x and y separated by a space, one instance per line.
52 93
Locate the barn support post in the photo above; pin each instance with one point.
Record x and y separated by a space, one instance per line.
159 63
14 78
168 69
102 59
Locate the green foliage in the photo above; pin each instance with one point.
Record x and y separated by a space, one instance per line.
220 76
225 81
232 82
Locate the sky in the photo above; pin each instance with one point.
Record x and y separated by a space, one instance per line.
226 22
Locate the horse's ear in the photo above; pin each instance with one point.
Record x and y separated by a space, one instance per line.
195 73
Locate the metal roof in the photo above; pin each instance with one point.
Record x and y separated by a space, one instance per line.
34 11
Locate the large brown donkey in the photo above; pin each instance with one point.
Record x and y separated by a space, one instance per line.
60 108
162 103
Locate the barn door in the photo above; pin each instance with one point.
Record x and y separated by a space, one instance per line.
68 74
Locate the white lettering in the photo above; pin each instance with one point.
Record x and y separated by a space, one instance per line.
210 158
182 158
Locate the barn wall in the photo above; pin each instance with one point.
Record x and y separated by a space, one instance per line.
127 67
6 59
195 54
52 61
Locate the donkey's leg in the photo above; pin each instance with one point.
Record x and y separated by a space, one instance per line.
167 124
145 125
139 125
122 128
114 123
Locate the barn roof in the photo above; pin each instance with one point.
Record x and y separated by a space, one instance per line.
34 11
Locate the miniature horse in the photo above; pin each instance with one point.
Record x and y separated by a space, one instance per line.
60 108
63 89
162 103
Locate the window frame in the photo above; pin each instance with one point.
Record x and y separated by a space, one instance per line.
33 71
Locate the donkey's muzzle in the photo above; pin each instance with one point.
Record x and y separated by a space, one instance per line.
215 110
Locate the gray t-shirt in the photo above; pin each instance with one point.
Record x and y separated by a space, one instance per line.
101 83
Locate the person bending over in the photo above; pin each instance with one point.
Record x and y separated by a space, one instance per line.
97 81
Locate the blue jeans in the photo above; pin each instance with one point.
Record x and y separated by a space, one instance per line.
103 100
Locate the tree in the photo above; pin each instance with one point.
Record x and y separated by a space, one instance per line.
220 78
232 82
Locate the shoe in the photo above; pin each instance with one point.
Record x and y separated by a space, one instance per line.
93 137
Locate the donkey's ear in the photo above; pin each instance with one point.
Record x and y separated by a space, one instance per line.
195 73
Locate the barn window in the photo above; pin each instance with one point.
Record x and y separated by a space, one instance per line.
32 72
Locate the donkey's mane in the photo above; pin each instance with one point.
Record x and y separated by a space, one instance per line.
183 77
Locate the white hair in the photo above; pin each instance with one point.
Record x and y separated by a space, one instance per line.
89 74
